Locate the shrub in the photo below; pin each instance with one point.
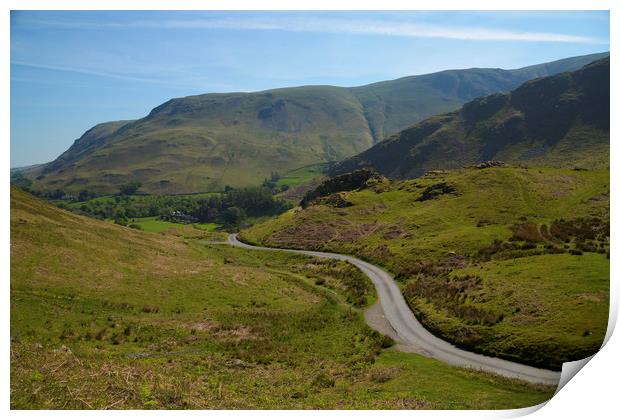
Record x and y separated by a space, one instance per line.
101 334
323 380
527 231
383 374
436 190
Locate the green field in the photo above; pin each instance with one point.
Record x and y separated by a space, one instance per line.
155 224
301 176
104 316
210 227
469 256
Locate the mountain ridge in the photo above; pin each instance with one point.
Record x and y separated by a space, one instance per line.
204 142
560 121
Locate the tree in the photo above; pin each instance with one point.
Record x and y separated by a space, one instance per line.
120 218
57 194
130 188
275 177
85 195
233 216
269 184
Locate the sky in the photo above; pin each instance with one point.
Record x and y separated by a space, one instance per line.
73 70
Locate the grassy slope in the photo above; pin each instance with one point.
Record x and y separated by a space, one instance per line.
109 317
204 142
564 320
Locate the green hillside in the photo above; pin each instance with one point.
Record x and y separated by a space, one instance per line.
507 261
104 316
560 121
204 142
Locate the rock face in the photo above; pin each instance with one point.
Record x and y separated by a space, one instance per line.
337 200
347 182
487 164
558 121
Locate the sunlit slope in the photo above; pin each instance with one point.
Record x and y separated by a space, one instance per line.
104 316
507 261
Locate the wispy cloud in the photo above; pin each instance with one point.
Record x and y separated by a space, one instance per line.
86 71
178 79
337 25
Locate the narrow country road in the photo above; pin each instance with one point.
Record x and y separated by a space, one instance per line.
409 331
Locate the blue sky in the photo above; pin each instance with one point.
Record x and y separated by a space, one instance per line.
72 70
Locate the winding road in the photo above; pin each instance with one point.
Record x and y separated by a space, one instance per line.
408 331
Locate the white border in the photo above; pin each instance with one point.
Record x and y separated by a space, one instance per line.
593 392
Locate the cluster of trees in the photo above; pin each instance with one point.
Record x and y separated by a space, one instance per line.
19 180
272 183
129 188
230 208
